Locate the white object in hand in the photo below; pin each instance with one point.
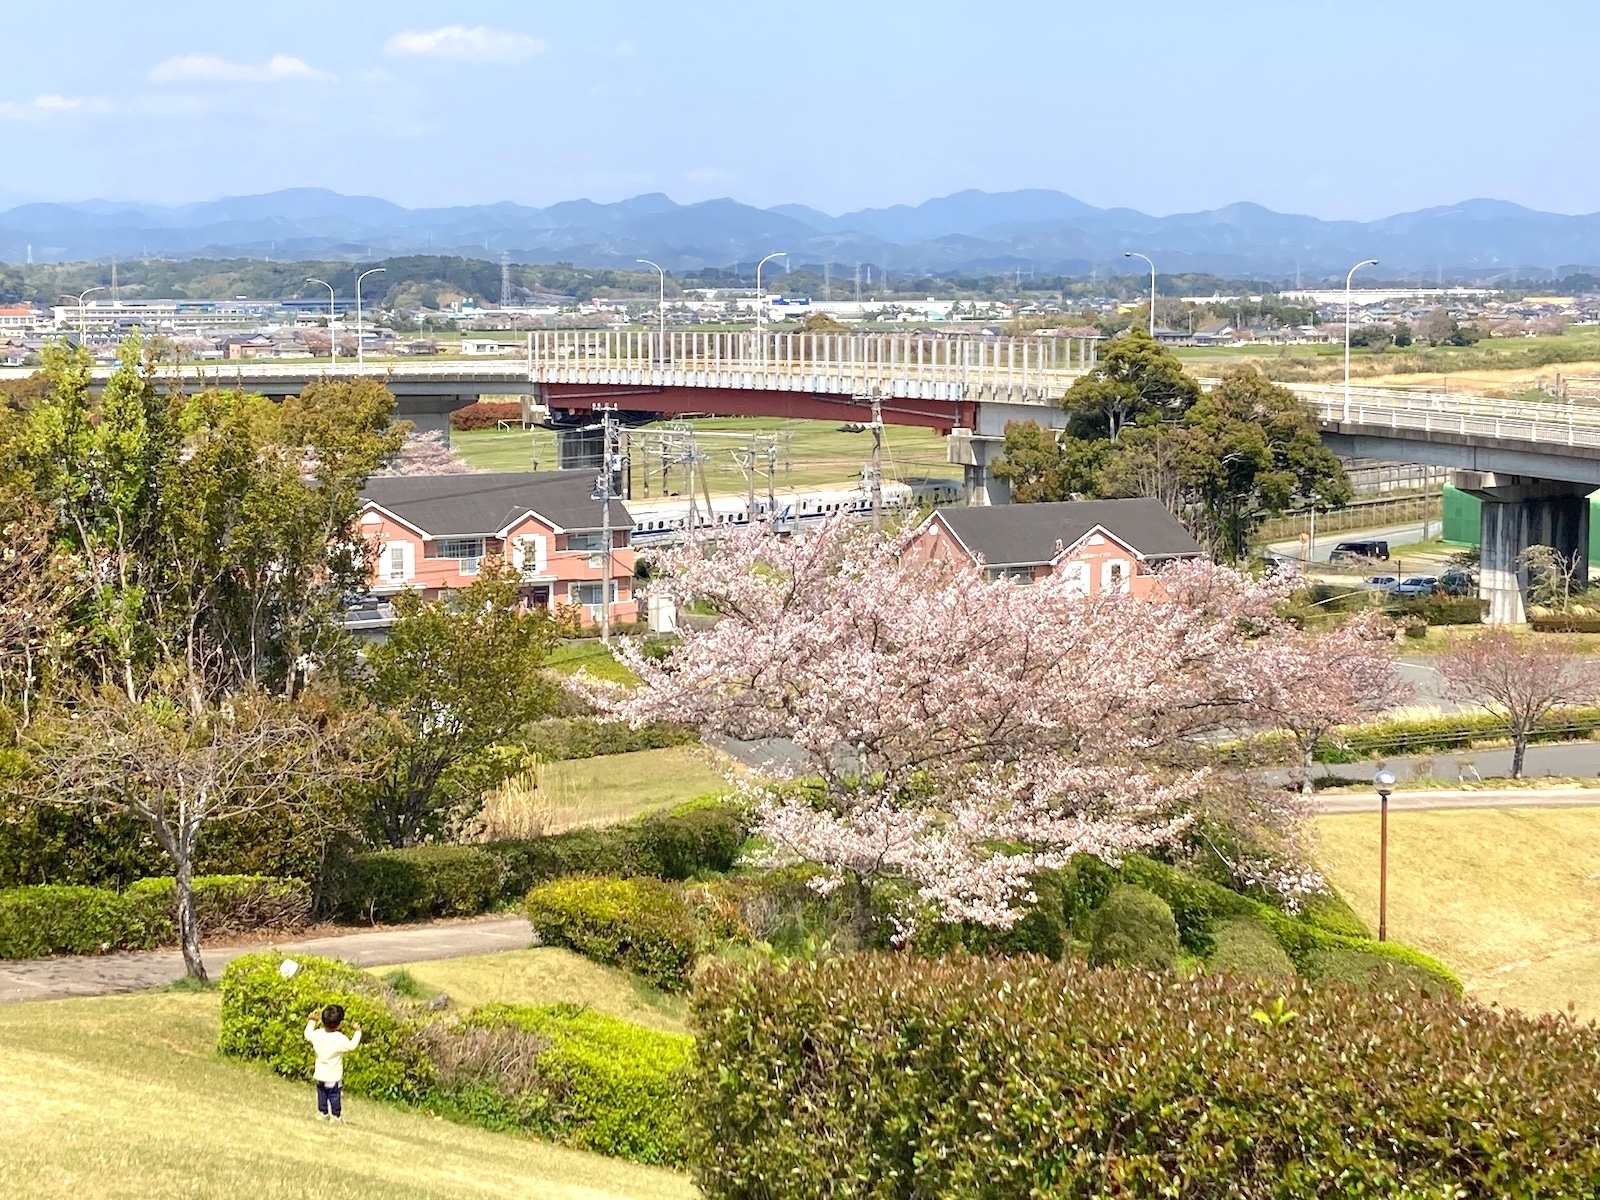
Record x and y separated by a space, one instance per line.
288 967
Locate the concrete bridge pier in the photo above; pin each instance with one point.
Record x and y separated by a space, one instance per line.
976 455
1521 511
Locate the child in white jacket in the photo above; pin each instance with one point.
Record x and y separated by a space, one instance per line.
331 1046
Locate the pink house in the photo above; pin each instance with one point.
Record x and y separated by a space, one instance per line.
1097 545
430 533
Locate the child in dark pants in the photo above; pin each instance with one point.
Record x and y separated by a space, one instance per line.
330 1045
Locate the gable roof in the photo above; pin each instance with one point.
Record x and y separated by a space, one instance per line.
1014 535
482 505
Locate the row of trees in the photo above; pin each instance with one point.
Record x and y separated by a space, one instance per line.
1221 461
173 578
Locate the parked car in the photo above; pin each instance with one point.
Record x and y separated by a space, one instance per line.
1380 583
1360 552
1458 583
1417 585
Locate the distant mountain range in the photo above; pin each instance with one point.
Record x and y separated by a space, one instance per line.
971 231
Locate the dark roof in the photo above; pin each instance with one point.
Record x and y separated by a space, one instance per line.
481 505
1006 535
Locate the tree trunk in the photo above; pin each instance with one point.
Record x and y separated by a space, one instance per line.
1519 751
1308 750
188 925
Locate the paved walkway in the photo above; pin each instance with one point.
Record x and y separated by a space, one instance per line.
1462 798
100 975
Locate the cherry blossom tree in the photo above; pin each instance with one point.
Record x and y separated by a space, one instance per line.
1311 683
1521 678
966 732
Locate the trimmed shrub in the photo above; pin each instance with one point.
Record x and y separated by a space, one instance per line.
264 1018
1328 911
1371 971
55 919
642 925
1042 930
893 1076
414 885
1306 945
51 919
598 1083
486 414
231 904
1197 904
1246 946
1134 928
558 738
575 1076
431 881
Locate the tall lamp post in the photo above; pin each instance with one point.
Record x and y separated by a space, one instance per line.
333 334
1366 262
759 321
662 308
80 297
1384 782
361 356
1135 254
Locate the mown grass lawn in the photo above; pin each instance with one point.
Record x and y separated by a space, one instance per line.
545 975
1509 898
124 1096
617 787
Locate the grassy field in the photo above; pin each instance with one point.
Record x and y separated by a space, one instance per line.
591 655
124 1097
1509 898
811 454
615 787
546 975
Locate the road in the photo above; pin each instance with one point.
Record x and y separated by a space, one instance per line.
100 975
1565 760
1395 535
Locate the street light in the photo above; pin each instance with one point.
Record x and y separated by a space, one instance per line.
333 334
81 295
759 265
1136 254
1384 782
361 356
663 309
1366 262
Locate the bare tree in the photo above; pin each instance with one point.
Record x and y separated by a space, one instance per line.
36 587
1522 679
1552 576
179 763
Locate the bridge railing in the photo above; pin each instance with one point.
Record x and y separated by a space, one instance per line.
1541 412
1368 414
1039 367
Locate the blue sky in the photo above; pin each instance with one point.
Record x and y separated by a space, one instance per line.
1338 110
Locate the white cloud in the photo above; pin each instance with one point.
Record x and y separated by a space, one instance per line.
476 43
208 68
50 104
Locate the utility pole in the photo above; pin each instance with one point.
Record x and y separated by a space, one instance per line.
877 464
605 491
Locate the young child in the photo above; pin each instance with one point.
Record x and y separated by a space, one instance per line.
331 1047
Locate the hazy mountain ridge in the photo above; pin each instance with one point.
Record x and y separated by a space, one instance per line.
1036 229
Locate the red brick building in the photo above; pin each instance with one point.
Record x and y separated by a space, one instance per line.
1098 545
430 533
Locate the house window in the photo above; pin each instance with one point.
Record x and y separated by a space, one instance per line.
1114 575
468 553
530 554
397 562
589 593
1076 575
1014 574
586 541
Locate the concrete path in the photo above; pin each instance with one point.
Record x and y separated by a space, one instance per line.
1566 760
100 975
1462 798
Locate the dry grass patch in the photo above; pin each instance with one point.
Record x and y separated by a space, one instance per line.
1508 898
124 1097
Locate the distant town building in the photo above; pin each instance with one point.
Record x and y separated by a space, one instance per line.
1096 545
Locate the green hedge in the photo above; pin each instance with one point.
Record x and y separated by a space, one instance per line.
433 881
602 1084
1247 946
565 1073
586 737
264 1018
642 925
59 919
892 1076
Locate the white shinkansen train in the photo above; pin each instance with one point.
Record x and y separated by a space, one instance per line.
656 522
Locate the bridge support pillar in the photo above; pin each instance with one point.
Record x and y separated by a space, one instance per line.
976 455
1518 512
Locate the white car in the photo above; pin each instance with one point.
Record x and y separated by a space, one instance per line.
1380 583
